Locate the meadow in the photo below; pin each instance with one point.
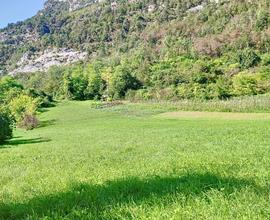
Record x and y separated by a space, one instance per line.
136 161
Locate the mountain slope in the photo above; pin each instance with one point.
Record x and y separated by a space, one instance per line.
103 28
95 27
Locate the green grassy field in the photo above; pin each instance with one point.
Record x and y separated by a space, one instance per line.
131 162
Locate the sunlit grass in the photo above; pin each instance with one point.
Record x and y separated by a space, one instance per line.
125 162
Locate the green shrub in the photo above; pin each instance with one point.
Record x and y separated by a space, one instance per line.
262 20
221 89
121 81
184 91
139 95
263 80
244 84
95 85
163 74
78 86
199 91
168 93
248 58
22 105
9 87
6 127
266 59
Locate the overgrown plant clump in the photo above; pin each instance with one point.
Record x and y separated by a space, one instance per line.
28 122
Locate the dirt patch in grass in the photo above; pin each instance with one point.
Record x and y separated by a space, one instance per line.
216 115
102 105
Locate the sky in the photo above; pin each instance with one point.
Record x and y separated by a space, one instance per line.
12 11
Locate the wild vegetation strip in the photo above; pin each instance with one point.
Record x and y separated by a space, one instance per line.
216 115
246 104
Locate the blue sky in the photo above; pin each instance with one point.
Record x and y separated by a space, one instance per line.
12 11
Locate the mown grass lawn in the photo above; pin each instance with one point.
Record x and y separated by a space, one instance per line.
127 162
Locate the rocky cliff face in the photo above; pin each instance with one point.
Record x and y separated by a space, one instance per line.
42 61
70 5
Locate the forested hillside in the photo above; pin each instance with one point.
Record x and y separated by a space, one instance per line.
150 49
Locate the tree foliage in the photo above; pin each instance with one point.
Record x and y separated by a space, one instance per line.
148 49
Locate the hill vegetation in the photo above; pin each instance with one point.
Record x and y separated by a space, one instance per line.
148 49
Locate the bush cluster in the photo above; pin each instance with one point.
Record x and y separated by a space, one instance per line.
6 126
17 106
28 122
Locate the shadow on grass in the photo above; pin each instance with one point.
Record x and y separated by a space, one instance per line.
26 141
43 110
47 123
98 201
47 107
